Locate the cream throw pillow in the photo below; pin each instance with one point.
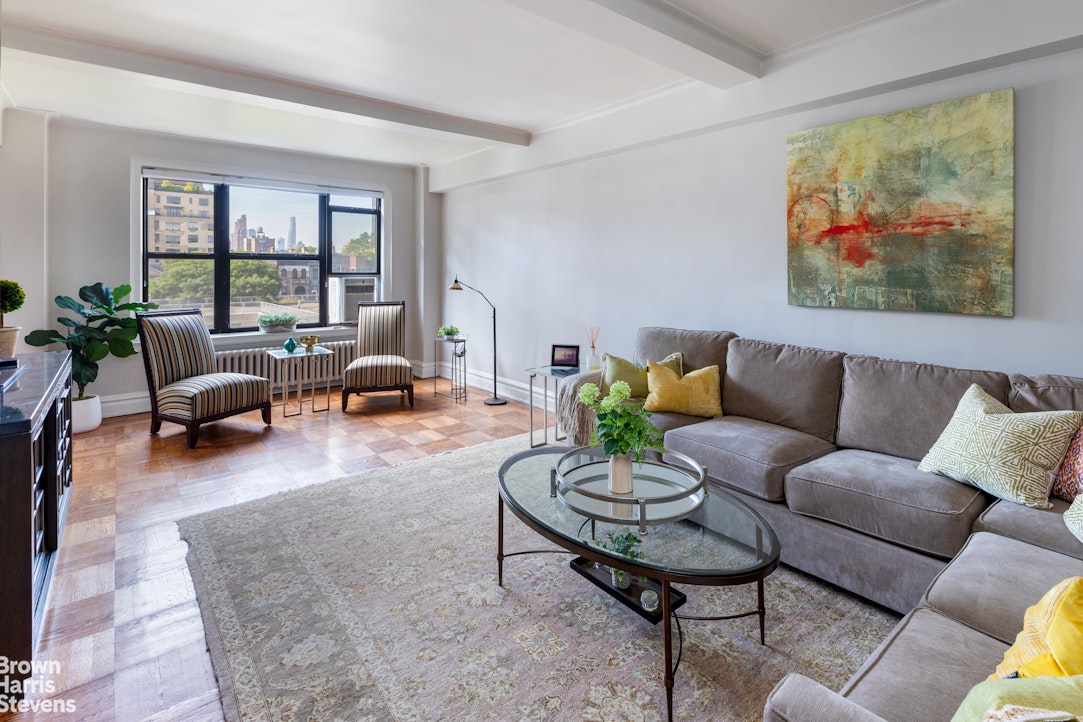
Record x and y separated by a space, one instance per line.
1012 456
698 393
1073 518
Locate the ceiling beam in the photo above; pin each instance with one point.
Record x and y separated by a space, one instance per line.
659 32
68 48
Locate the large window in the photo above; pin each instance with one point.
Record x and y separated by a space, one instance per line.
247 250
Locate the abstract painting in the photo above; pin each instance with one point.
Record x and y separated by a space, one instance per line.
909 211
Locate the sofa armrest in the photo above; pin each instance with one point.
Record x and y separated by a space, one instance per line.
576 419
797 698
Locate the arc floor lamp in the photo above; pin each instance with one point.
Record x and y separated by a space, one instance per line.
458 286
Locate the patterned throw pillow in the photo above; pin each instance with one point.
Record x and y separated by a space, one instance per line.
1042 695
1011 456
1073 518
1069 481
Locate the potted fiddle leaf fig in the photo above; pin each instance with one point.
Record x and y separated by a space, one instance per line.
12 298
102 328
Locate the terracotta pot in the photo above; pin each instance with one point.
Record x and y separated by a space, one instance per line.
620 474
9 335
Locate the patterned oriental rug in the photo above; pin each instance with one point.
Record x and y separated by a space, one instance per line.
374 597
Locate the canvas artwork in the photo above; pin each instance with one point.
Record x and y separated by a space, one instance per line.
911 211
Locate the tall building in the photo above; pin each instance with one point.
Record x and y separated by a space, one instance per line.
292 240
240 233
180 217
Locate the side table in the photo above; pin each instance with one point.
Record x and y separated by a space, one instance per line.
458 367
297 368
546 372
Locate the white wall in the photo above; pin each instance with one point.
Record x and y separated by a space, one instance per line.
692 233
91 197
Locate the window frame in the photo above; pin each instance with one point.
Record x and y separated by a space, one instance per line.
222 255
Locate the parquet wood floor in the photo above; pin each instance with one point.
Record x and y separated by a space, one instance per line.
122 619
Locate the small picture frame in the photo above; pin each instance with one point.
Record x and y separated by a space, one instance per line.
566 356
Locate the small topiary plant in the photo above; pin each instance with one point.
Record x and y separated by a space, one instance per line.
448 330
12 298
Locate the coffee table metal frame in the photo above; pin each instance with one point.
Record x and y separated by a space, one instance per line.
665 577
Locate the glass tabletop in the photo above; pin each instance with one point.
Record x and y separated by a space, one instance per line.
724 537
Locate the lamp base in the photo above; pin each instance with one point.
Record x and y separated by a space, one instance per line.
495 401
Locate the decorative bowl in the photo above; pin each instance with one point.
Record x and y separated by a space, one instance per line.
309 342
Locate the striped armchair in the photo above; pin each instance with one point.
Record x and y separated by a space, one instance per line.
182 379
381 347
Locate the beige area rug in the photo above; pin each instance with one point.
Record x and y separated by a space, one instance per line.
374 597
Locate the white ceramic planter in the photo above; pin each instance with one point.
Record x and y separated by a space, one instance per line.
620 474
86 414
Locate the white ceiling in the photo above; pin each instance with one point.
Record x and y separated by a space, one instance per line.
406 81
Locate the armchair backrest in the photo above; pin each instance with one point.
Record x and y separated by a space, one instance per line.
176 345
381 328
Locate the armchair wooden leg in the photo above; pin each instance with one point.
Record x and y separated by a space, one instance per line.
155 424
267 414
410 393
193 435
345 398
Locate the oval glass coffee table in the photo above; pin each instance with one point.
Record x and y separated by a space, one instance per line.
722 542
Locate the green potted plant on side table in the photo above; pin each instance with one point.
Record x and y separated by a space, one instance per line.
448 331
276 322
99 331
12 298
624 428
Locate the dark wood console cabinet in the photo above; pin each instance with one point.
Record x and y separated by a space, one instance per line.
35 485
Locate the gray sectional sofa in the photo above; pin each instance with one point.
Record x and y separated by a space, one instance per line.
825 445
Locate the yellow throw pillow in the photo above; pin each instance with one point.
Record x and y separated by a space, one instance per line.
1051 642
614 369
698 393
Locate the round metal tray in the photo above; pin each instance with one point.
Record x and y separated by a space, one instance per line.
660 493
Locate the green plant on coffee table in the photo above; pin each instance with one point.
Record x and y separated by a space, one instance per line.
277 320
626 545
12 298
624 427
99 331
448 330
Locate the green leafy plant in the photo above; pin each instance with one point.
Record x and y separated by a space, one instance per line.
99 331
271 320
448 330
626 545
12 298
623 425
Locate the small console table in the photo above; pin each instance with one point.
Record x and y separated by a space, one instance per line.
297 368
458 367
547 372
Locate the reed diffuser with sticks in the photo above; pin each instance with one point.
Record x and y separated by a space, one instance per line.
594 361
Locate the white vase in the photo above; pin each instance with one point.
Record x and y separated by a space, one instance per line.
621 579
86 414
594 361
620 474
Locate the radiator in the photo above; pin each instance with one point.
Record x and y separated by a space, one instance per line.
258 362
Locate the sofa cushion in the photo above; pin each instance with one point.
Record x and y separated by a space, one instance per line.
888 498
782 384
697 393
1068 483
697 348
993 580
1040 527
924 669
746 454
1048 392
1013 456
900 407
